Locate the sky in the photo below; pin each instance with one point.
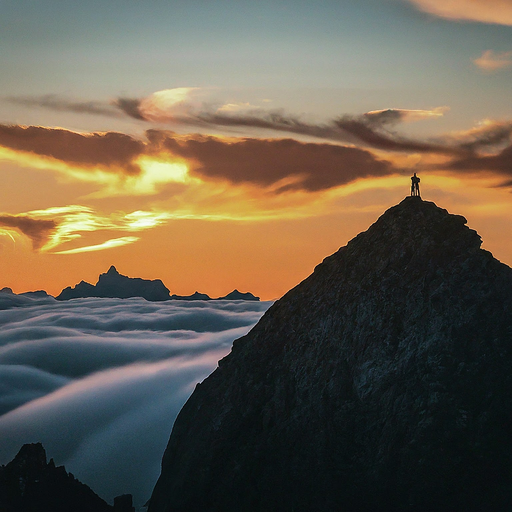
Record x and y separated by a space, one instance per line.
100 381
221 145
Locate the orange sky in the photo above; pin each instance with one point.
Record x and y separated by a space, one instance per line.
221 147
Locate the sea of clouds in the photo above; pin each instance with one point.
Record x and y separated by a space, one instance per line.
100 381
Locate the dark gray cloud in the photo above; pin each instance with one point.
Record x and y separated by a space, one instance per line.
61 104
36 229
110 150
500 163
100 381
131 107
368 129
490 135
264 162
368 132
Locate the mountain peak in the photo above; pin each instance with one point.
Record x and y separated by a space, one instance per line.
112 271
381 382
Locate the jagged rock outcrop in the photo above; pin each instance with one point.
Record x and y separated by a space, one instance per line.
383 382
114 285
31 484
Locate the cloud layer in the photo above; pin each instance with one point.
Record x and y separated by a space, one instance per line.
100 381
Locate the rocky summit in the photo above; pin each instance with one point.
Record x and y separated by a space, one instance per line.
383 382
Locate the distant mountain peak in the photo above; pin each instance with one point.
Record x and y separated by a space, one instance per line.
112 270
112 284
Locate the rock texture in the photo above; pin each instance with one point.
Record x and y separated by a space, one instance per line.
115 285
30 484
383 382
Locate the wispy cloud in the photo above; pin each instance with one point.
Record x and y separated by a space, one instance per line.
367 129
62 104
491 61
69 223
38 230
485 11
392 116
487 134
109 244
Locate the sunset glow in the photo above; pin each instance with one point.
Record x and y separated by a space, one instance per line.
240 152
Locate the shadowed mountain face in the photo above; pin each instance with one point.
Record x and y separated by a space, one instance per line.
382 382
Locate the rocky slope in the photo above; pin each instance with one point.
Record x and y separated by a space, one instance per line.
383 382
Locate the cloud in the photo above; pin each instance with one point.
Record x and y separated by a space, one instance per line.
108 244
112 151
500 163
491 61
60 104
69 222
393 116
161 106
487 134
241 115
38 230
20 384
368 131
266 162
484 11
100 381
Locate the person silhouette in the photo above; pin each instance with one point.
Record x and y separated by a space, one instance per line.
415 185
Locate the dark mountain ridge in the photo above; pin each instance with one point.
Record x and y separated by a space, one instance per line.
382 382
112 284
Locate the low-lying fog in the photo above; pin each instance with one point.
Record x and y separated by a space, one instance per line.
100 381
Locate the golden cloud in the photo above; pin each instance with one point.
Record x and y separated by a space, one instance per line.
491 61
485 11
109 244
71 222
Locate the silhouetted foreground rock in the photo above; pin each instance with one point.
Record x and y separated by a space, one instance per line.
383 382
113 284
30 484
